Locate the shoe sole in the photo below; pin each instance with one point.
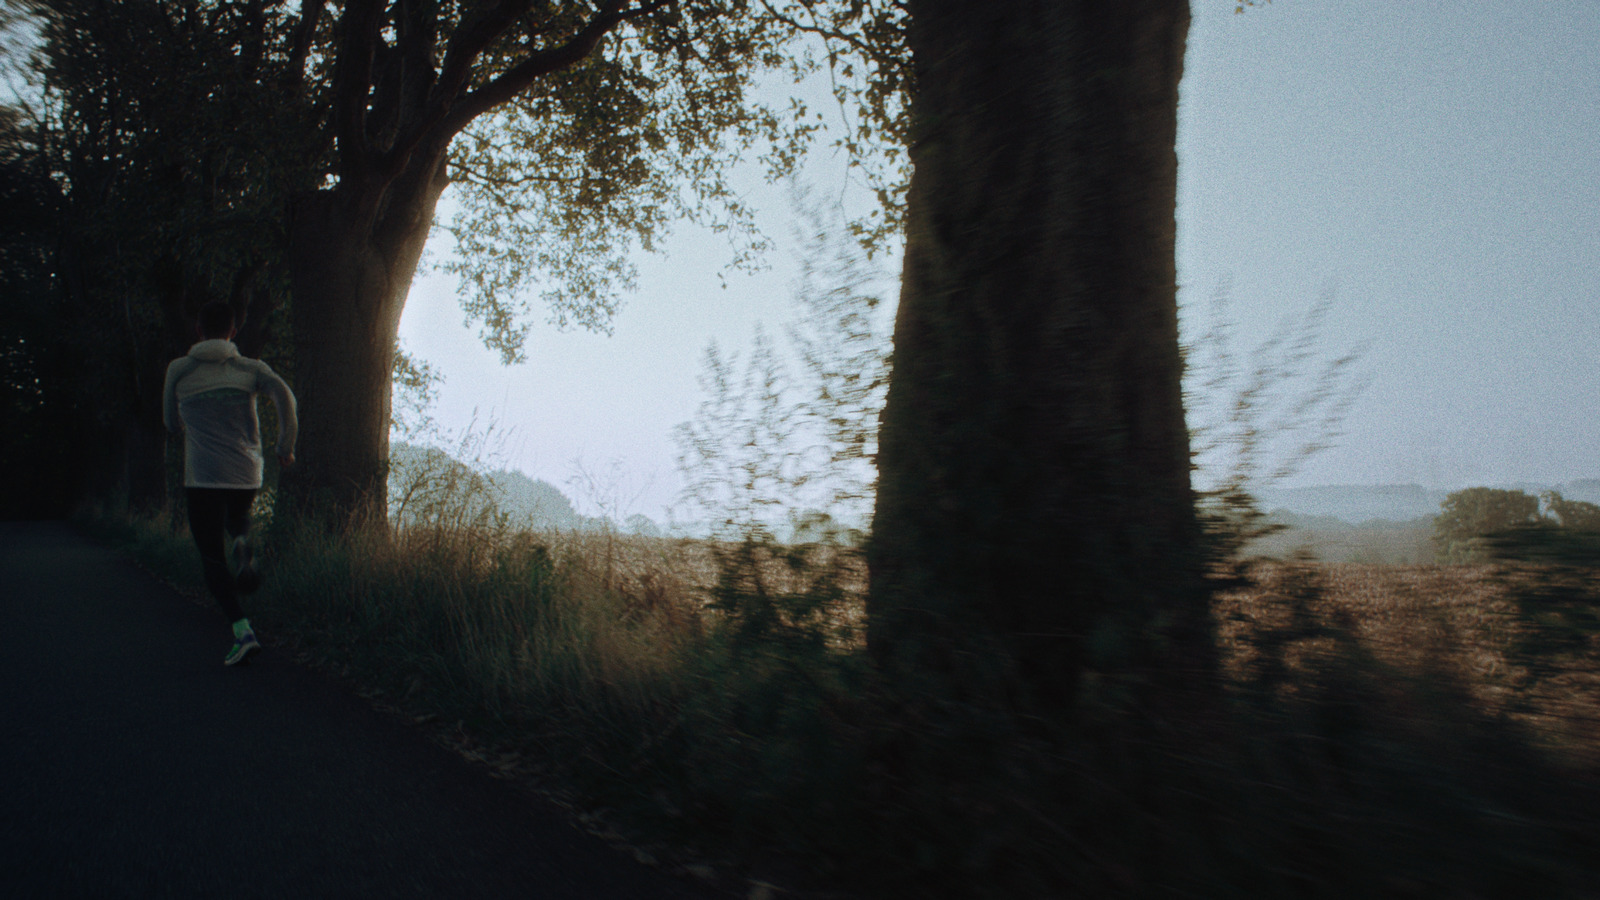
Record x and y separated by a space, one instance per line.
245 659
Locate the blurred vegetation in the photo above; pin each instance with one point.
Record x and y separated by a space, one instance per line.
1382 734
39 411
1381 731
1481 524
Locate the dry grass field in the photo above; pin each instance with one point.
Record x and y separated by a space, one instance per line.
1444 637
1443 640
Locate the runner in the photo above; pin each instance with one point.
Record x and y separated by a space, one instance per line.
210 395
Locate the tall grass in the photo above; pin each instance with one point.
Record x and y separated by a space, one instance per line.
1377 732
1375 736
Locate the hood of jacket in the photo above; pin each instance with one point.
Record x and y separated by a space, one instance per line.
214 350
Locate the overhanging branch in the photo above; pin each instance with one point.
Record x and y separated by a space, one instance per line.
468 43
517 79
448 114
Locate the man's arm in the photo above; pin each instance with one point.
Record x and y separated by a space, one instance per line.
169 394
278 391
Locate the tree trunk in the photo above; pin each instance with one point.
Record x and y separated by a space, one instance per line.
353 252
1034 461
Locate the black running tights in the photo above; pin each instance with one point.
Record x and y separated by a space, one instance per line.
214 515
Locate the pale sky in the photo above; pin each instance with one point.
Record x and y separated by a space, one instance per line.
1435 165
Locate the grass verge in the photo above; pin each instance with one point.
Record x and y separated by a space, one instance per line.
1378 734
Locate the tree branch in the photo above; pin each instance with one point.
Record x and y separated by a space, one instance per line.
305 31
448 114
517 79
494 183
470 41
833 34
352 81
418 26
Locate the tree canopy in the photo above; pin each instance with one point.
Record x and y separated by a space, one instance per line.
210 118
1467 517
191 142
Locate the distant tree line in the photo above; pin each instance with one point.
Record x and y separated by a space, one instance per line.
1469 519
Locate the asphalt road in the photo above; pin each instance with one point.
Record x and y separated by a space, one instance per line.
134 764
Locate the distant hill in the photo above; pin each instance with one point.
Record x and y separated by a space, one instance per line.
1358 503
428 485
1371 523
538 504
422 478
1354 503
1375 541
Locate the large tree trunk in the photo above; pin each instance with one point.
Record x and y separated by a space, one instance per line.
353 252
1034 461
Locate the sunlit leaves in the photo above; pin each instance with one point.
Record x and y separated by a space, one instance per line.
868 60
559 187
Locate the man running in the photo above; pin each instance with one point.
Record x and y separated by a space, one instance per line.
211 395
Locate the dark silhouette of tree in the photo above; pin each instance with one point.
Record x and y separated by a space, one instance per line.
163 139
1034 463
38 408
573 133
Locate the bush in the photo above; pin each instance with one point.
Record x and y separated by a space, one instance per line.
1466 517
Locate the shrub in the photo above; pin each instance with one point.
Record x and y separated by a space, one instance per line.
1466 517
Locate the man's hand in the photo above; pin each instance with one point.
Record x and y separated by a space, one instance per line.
285 460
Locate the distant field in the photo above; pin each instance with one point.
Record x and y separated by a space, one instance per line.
1377 542
1456 629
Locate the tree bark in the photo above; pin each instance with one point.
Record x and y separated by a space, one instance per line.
1034 460
353 252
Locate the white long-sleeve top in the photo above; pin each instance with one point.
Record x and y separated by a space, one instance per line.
210 395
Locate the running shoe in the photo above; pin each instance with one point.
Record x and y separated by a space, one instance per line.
244 647
247 579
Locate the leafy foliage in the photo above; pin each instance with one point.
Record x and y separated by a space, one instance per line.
1573 515
771 443
557 187
416 383
206 119
183 134
1469 515
868 59
177 148
37 402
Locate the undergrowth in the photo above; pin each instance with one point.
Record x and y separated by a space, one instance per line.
714 698
714 701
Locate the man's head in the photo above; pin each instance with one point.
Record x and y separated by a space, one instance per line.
216 321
